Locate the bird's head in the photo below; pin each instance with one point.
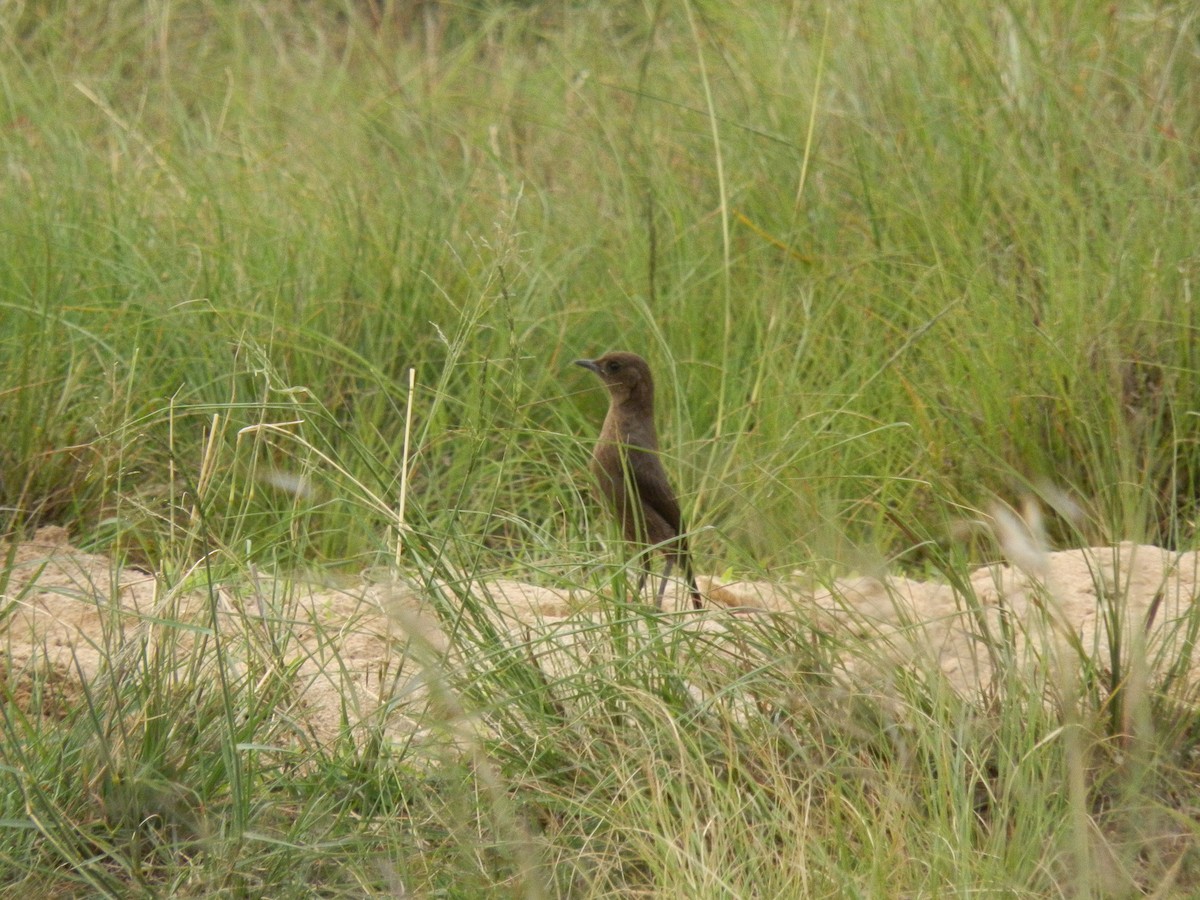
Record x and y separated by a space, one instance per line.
626 375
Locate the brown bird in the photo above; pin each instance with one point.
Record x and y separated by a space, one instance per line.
631 476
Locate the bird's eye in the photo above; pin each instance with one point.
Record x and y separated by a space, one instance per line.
613 366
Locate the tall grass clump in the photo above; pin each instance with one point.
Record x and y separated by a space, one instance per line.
854 247
266 268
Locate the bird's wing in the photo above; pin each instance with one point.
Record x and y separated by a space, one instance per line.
653 489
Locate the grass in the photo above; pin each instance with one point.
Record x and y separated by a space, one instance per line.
889 262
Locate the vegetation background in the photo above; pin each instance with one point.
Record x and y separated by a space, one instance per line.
889 260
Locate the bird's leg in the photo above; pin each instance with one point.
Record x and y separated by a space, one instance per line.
641 585
662 586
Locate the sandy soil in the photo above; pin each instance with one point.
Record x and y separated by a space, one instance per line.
364 652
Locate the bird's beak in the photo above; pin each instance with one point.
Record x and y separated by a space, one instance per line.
588 364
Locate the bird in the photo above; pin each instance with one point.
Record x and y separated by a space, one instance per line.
626 466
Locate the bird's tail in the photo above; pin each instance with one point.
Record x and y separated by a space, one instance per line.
683 556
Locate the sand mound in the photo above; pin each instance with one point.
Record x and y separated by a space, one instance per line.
363 653
1053 614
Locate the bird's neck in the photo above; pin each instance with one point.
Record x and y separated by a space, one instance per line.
631 421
